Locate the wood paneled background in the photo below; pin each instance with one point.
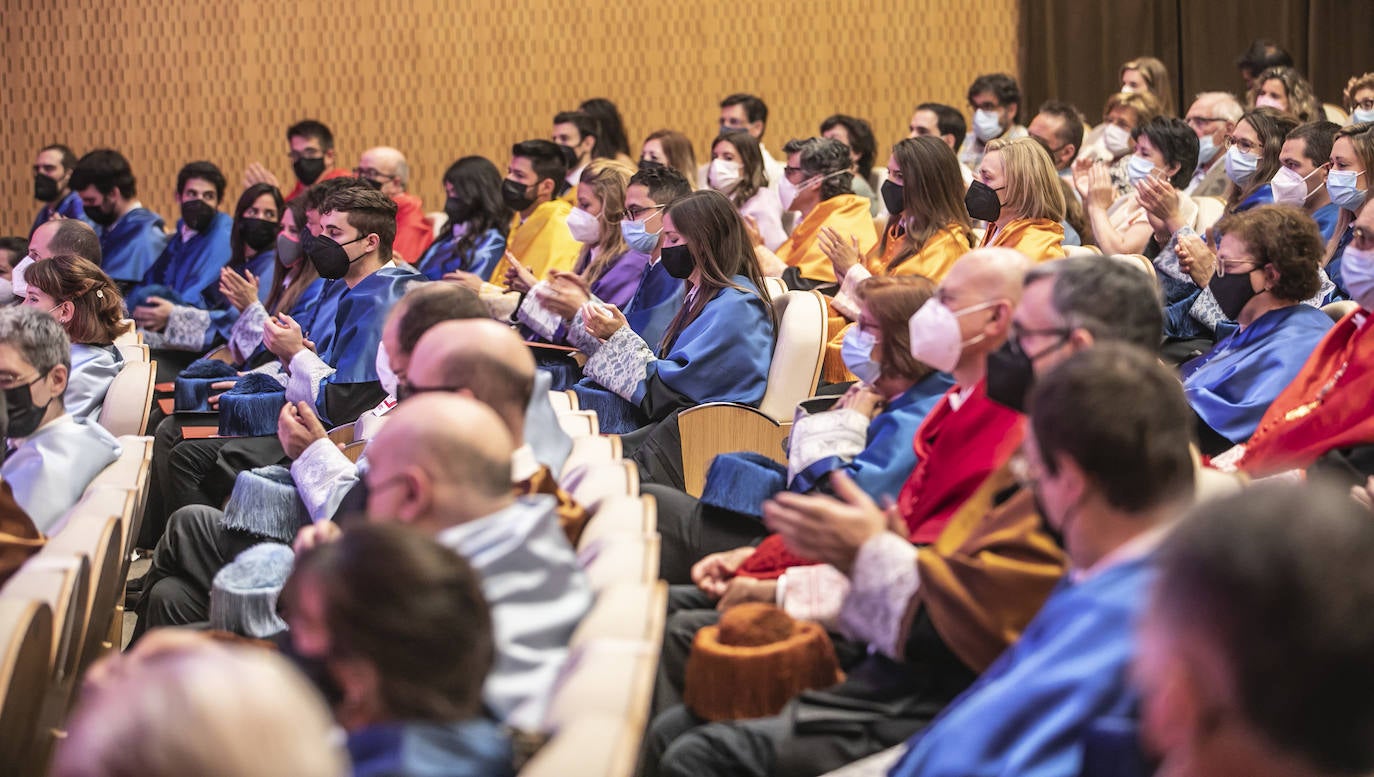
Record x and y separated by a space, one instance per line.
171 81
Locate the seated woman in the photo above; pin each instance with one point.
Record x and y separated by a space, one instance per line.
716 349
1017 192
1147 74
1286 91
1269 262
671 149
929 231
857 136
474 237
87 304
52 457
1348 184
1111 143
398 634
737 171
1165 148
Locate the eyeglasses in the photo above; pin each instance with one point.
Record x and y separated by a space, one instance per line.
14 381
309 153
634 212
792 174
985 106
1235 268
1198 122
371 174
1364 105
1245 145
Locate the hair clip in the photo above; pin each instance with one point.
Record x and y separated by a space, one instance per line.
100 294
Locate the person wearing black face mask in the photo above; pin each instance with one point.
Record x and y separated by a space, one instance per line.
312 158
52 170
52 457
474 237
1018 193
131 236
535 179
250 275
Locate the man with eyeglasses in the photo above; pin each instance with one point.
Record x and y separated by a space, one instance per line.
995 99
385 169
1213 116
312 159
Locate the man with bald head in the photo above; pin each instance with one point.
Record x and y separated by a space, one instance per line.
57 238
385 169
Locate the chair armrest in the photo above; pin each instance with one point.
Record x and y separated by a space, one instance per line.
714 428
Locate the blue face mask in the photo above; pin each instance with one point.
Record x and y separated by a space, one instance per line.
1240 166
1340 184
1138 169
638 239
1206 149
857 351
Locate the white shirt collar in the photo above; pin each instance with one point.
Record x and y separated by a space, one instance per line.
523 464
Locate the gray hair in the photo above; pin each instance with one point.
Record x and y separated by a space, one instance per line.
1224 105
1109 299
37 336
827 157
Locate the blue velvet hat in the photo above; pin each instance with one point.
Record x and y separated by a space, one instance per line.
192 393
251 407
740 482
243 598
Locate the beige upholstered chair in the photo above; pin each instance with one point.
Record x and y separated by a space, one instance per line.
130 399
26 629
93 534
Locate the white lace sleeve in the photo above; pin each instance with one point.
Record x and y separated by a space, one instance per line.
842 433
883 583
815 593
246 335
533 314
186 328
579 337
621 364
1167 261
323 476
308 370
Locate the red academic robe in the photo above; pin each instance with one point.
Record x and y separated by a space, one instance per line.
956 451
1324 408
414 230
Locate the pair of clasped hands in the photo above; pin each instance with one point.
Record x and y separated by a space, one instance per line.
565 294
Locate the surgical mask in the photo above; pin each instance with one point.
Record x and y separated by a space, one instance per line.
45 188
1206 149
516 195
258 234
197 214
1240 166
1357 271
329 258
1360 116
856 349
987 125
723 174
24 416
1138 169
1290 188
1266 101
585 227
308 171
98 215
21 288
288 250
1232 291
384 373
787 192
1340 184
982 202
1127 89
1117 140
677 260
637 238
935 336
6 291
893 197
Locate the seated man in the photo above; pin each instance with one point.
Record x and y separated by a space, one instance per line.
1305 156
1213 115
576 131
539 237
131 236
52 456
1060 125
820 174
996 102
57 238
52 172
1225 693
945 123
385 169
312 158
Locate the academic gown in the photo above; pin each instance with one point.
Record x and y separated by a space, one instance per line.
1326 217
541 243
1231 387
131 245
190 328
848 215
618 284
1039 239
190 267
443 256
1031 711
465 748
50 469
69 207
245 336
1333 267
93 369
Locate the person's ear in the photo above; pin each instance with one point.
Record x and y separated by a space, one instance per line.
417 497
66 312
373 241
1081 339
57 380
1011 113
358 682
329 158
545 188
1271 277
1172 170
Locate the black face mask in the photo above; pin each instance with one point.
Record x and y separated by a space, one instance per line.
45 189
329 258
1010 376
982 203
892 197
258 234
308 171
23 416
99 215
516 195
677 260
458 212
1232 291
1054 534
315 669
197 214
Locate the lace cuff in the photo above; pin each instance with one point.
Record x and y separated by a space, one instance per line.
323 476
500 303
1206 310
246 335
621 364
534 315
308 370
186 328
1167 261
884 581
844 302
578 336
842 433
815 593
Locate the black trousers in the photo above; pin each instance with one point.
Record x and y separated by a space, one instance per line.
689 531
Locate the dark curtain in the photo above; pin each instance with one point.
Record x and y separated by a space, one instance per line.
1072 49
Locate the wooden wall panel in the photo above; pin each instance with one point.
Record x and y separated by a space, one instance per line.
170 81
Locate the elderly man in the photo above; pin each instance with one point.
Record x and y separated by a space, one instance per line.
1212 116
56 238
385 169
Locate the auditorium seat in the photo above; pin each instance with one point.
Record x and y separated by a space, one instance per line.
93 533
130 399
26 632
627 515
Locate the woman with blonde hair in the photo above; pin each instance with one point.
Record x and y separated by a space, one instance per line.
673 149
1348 183
1147 74
1285 90
1017 192
89 307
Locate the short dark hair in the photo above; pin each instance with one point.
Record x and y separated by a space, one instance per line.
948 120
663 182
1176 141
546 157
584 122
428 304
15 245
1002 86
75 237
319 192
369 211
1072 131
1286 238
823 156
411 608
106 170
68 156
1239 565
754 108
1109 299
206 171
1317 138
310 128
1262 55
1121 417
861 140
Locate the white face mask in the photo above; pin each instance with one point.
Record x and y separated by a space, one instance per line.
1290 188
1138 169
1206 149
1340 184
857 351
723 174
17 284
1116 140
1265 101
585 227
1240 166
1357 271
787 192
935 336
384 373
1360 116
987 125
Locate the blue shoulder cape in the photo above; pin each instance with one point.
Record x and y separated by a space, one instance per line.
191 268
348 326
442 256
130 246
654 303
68 207
724 354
